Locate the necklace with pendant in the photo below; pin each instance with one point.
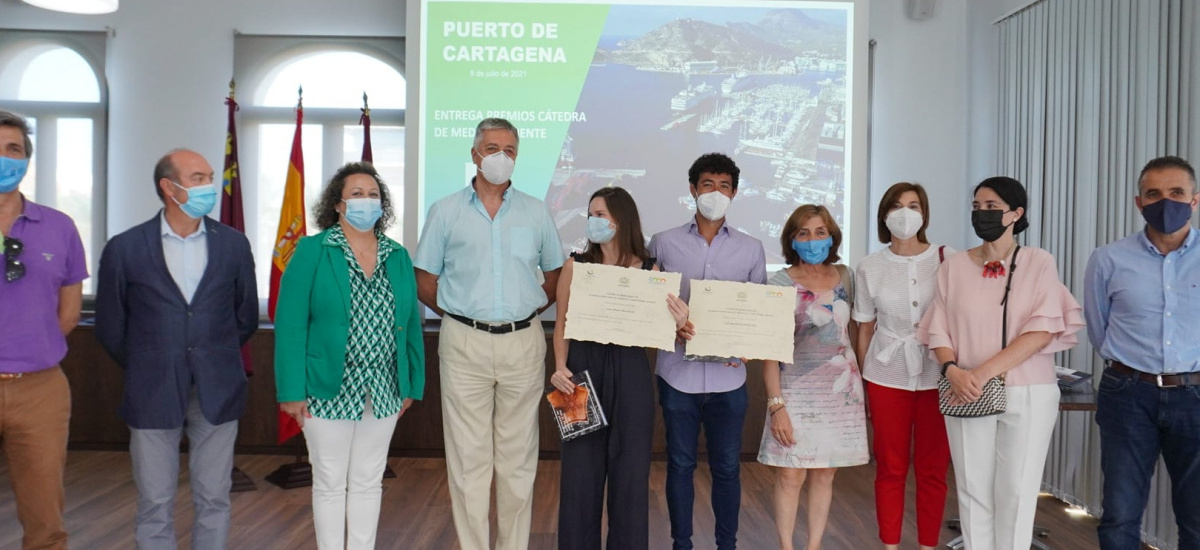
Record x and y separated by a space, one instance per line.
995 268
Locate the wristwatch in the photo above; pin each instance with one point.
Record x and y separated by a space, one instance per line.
946 365
772 401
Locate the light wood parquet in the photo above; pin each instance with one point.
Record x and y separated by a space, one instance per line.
416 509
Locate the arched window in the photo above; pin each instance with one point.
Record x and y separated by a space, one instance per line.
334 75
55 80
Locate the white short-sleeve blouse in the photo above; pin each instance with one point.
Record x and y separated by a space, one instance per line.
894 291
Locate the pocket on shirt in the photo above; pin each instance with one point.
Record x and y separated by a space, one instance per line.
523 243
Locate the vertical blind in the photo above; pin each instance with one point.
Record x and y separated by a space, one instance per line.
1089 91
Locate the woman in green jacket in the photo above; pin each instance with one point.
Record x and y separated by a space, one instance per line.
349 357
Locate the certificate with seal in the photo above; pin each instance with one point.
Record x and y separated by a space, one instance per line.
742 320
621 305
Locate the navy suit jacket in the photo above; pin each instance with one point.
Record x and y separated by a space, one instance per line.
166 345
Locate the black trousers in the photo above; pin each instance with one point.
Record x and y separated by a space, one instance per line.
618 455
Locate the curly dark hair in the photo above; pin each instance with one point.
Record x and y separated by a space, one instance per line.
716 164
325 210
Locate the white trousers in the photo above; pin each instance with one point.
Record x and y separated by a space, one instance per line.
998 464
348 458
491 390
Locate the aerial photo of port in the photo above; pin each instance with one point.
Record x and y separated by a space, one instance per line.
766 86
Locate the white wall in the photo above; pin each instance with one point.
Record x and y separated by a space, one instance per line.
984 75
168 69
934 118
919 119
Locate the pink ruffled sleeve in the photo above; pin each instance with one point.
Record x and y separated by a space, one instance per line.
934 328
1053 309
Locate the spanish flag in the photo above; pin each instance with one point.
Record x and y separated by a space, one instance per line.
292 228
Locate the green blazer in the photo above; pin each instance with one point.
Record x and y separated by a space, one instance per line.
312 323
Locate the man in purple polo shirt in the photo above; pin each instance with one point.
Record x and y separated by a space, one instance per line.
41 296
701 393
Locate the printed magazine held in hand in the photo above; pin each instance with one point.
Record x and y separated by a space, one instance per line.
577 413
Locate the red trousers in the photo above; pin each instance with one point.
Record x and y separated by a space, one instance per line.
908 424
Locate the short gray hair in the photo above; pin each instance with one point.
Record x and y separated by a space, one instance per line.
495 124
165 168
11 119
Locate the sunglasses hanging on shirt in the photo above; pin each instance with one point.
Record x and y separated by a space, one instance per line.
13 268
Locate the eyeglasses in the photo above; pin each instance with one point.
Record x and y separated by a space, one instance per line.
13 268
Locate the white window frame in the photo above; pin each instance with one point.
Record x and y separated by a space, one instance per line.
91 47
255 59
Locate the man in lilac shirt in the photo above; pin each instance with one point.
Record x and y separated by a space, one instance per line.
702 393
41 296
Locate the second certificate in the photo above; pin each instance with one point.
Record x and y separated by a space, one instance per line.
621 305
742 320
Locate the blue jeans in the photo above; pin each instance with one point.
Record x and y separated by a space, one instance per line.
722 415
1138 421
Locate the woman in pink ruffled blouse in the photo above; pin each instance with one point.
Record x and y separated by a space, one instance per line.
998 459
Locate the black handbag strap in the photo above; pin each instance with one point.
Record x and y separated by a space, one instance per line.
1007 287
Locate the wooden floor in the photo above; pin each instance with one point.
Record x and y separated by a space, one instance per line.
416 509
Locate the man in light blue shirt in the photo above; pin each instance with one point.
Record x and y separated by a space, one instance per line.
1142 303
477 264
176 300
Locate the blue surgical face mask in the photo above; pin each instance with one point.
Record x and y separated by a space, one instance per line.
1167 216
363 213
813 252
201 200
12 171
599 231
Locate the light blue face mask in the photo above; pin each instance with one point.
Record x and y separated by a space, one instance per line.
598 230
201 200
363 213
813 252
12 171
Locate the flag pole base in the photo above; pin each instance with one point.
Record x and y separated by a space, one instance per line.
241 482
292 476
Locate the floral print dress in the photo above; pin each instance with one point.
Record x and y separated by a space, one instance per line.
822 387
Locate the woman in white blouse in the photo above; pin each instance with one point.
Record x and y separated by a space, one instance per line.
894 287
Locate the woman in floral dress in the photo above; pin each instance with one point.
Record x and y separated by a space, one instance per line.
815 413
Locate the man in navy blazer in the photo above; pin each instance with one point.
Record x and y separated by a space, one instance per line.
176 300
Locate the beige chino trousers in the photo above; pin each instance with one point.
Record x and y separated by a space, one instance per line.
491 390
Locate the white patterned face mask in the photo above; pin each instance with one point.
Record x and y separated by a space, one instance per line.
712 205
904 223
497 168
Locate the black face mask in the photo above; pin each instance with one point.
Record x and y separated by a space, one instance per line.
989 224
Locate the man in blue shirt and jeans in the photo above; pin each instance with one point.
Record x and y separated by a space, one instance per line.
1142 302
698 393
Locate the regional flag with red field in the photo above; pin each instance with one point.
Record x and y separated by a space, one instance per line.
231 196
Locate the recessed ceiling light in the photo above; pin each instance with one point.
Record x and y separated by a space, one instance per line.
89 7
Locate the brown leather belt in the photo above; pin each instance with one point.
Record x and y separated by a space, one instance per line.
1160 380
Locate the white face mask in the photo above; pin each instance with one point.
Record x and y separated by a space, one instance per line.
904 223
712 205
497 168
